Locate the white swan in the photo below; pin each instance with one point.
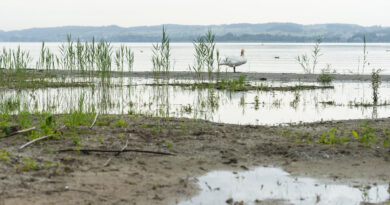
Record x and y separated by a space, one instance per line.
234 61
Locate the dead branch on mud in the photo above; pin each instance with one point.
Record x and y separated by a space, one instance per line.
87 151
33 141
40 138
94 121
20 132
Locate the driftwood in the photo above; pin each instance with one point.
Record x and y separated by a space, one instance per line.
94 121
40 138
117 154
33 141
20 132
87 151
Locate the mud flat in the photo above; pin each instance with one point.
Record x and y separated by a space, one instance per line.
38 174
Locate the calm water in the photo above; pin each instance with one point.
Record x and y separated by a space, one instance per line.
254 107
275 184
344 58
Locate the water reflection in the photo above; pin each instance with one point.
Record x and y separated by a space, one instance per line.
253 107
276 185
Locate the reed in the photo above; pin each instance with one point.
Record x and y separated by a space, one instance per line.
205 56
120 58
161 58
365 53
47 60
130 59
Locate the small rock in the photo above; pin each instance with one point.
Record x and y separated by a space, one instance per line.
229 201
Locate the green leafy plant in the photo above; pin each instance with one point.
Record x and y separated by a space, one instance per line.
330 138
325 77
120 123
367 135
29 164
4 155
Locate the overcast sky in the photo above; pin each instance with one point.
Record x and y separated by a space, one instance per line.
20 14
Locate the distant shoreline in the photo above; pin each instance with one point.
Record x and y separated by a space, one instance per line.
242 42
266 32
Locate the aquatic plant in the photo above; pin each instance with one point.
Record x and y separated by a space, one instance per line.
325 77
120 58
103 57
47 60
307 63
161 58
130 59
15 60
365 53
205 56
375 82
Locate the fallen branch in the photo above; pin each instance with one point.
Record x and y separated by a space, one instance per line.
40 138
33 141
94 121
20 132
86 151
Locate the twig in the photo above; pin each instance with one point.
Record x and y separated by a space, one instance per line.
117 154
123 148
94 121
86 151
33 141
20 132
107 162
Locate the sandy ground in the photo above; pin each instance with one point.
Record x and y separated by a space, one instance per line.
199 147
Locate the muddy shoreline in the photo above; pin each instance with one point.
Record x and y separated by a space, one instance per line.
199 147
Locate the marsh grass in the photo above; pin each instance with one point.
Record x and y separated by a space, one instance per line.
207 57
161 58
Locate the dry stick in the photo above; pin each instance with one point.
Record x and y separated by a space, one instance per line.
94 121
116 151
40 138
117 154
123 148
33 141
20 132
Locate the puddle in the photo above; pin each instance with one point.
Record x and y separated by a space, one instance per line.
277 187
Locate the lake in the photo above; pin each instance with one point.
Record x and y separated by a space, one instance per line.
345 58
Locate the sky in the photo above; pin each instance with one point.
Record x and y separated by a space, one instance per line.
21 14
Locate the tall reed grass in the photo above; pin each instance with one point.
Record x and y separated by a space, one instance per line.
161 58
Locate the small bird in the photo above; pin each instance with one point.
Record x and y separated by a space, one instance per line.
234 61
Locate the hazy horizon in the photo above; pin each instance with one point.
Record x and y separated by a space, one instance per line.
23 14
188 25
